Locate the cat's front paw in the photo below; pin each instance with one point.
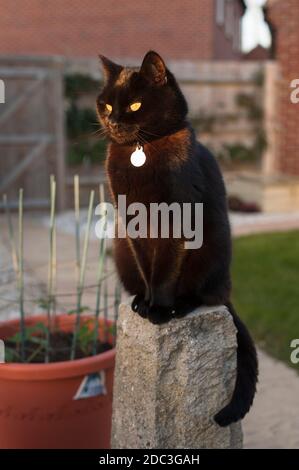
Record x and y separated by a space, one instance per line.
158 314
184 306
140 306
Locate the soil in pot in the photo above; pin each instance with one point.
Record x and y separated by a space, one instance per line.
60 346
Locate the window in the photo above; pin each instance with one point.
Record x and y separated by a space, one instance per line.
229 19
237 35
220 11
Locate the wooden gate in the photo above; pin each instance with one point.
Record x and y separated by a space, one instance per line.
32 130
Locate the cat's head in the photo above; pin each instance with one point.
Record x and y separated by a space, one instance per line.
140 104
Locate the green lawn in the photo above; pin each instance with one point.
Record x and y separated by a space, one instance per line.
266 289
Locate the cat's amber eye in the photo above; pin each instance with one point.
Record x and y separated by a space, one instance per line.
109 108
135 106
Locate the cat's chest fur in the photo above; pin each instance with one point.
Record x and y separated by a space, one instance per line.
153 181
143 184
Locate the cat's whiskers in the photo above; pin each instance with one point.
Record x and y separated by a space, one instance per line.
99 132
142 139
150 133
145 142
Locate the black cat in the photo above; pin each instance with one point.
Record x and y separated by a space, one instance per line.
146 106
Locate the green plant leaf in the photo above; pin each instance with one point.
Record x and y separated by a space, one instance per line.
84 308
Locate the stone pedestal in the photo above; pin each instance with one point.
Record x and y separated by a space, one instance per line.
170 381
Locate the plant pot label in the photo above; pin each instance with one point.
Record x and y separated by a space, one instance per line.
93 385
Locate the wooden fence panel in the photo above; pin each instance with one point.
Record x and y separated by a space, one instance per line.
32 130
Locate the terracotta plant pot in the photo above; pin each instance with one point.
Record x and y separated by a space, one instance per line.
37 405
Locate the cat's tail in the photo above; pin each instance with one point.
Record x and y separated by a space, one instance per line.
247 374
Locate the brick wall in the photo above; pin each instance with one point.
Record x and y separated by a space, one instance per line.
178 29
284 14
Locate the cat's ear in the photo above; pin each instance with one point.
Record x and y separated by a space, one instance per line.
110 69
153 69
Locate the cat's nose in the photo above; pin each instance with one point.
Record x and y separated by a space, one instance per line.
113 125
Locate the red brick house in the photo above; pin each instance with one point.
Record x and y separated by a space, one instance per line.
258 53
179 29
276 188
284 16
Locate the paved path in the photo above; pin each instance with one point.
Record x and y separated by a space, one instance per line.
246 224
273 421
9 306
